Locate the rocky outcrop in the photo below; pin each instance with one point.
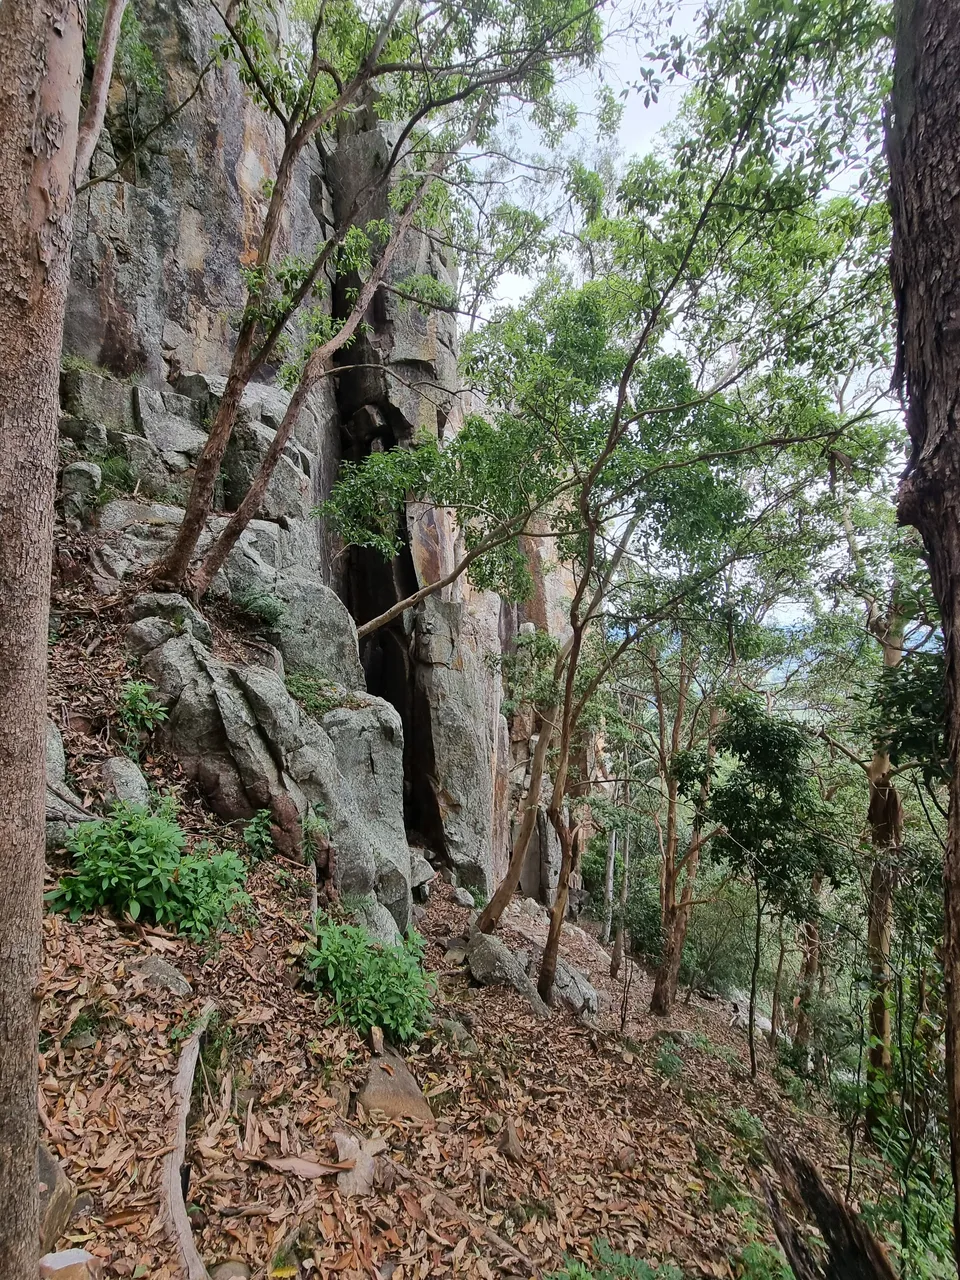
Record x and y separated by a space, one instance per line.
450 683
249 746
492 962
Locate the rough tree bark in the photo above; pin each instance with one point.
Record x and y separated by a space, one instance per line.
92 123
809 968
616 959
41 68
608 877
924 154
885 817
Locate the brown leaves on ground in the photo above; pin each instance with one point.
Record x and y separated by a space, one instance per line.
551 1136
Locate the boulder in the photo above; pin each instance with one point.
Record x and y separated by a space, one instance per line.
175 609
421 874
79 487
232 1269
463 898
451 681
368 744
71 1264
574 989
57 1199
122 780
147 634
64 810
492 963
160 973
248 745
166 423
391 1088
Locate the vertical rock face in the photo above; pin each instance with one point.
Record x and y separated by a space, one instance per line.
157 280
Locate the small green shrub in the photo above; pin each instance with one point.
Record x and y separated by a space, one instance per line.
315 694
759 1261
261 605
668 1061
610 1265
116 478
314 823
744 1124
139 712
372 985
133 863
257 835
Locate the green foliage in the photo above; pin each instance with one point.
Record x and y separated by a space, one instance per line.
610 1265
260 604
907 714
372 984
527 672
258 837
117 478
134 864
668 1062
139 713
315 694
745 1125
315 824
759 1261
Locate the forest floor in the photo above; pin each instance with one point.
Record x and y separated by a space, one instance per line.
652 1142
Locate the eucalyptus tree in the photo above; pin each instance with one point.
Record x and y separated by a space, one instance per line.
924 148
41 69
438 75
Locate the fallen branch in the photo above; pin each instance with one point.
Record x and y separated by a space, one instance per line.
172 1206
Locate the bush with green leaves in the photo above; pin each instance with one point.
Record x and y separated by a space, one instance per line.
610 1265
140 712
257 835
372 984
134 864
261 605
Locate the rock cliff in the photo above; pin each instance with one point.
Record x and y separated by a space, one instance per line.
411 747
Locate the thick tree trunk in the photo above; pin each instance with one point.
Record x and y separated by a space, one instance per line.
924 152
41 66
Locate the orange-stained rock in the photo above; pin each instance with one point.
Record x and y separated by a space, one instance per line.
71 1264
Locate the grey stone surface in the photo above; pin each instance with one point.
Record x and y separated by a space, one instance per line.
171 434
421 872
160 973
80 484
575 990
463 898
97 400
64 810
492 963
248 745
368 745
123 780
145 635
451 677
173 608
57 1198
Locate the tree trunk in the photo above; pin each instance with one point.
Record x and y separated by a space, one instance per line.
551 951
608 877
809 970
616 960
92 122
754 974
490 916
775 1010
667 978
924 154
41 68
